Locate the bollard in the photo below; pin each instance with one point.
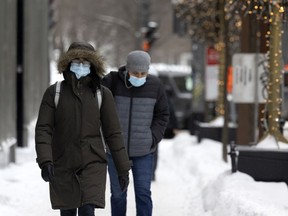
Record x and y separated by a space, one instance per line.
233 155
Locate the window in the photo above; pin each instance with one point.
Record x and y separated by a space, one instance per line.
184 84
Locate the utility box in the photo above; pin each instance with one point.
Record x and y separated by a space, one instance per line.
7 152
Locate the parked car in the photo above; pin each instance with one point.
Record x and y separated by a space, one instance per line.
177 80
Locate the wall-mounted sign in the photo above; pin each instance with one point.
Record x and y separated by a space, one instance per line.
211 74
245 81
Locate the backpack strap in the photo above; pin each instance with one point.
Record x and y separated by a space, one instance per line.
57 93
58 90
99 98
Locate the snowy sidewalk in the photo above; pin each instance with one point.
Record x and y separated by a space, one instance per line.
24 193
191 180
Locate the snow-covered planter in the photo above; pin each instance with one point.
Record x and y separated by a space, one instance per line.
213 130
264 162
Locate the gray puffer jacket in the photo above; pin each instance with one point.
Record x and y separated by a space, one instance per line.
143 111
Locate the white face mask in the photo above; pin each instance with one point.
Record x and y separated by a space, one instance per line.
80 69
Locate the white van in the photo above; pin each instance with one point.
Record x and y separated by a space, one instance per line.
177 80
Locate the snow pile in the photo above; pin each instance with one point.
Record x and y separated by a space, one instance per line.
223 193
217 122
270 143
239 194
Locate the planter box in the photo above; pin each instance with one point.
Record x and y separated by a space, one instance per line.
214 133
263 164
193 122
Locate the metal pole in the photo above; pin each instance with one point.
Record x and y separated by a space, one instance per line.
144 19
225 53
256 96
19 78
145 12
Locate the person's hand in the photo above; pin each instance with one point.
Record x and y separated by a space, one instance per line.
47 172
124 182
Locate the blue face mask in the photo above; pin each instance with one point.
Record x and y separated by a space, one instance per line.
137 81
80 70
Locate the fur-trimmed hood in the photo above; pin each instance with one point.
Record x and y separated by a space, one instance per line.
82 50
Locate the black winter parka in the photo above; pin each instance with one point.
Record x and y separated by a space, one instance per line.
69 137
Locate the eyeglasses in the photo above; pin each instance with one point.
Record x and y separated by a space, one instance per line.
79 61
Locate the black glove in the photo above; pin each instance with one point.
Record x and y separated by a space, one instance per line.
124 182
47 172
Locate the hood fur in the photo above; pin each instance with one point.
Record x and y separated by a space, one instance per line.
92 56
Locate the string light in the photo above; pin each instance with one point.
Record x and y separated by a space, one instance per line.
204 22
203 18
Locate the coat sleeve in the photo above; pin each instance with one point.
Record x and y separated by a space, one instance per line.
113 134
160 116
44 128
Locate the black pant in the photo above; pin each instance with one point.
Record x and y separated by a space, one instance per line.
86 210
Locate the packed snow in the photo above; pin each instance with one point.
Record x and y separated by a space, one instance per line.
191 180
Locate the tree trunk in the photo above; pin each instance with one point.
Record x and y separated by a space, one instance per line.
222 103
275 76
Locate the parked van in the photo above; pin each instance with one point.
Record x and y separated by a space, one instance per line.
177 80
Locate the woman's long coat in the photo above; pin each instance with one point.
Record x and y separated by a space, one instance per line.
69 136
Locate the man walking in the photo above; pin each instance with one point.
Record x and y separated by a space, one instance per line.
144 113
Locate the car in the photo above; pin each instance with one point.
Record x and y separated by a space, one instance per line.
177 80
